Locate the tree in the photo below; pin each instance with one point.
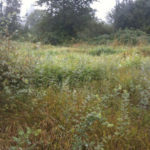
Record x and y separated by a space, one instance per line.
132 14
64 18
10 14
34 19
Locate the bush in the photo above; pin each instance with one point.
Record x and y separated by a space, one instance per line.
103 39
131 37
50 75
95 29
15 75
123 37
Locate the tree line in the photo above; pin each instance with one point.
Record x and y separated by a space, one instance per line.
132 14
68 20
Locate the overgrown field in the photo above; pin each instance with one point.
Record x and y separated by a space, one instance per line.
80 97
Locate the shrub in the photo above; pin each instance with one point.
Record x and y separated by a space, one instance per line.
123 37
102 39
131 37
15 75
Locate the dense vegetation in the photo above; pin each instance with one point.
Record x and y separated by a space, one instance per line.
78 97
9 16
132 14
90 92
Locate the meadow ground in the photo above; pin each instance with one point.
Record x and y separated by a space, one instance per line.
78 97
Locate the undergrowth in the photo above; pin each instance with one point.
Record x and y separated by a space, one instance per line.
74 98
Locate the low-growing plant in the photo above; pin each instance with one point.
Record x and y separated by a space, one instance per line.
100 51
72 100
23 139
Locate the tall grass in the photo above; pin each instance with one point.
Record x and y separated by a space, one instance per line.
77 99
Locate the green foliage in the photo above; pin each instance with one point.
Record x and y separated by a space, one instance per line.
64 19
131 37
123 37
78 101
9 16
30 31
34 19
15 74
132 14
100 51
23 139
95 29
75 72
81 140
102 39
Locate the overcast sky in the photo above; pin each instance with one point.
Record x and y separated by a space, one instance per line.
102 7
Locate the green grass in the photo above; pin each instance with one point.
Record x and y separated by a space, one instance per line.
80 97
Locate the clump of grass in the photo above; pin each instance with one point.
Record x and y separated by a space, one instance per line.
101 51
145 51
